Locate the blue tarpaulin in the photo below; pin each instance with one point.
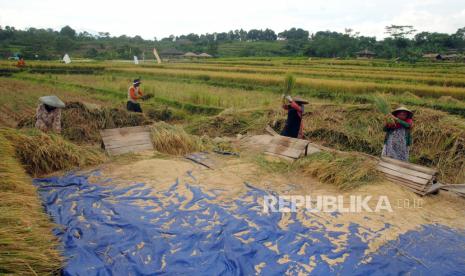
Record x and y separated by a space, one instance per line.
133 230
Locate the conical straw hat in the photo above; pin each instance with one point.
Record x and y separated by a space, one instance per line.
299 99
402 108
52 101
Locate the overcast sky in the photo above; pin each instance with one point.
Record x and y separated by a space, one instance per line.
151 18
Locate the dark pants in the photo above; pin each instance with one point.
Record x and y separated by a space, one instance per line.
293 122
134 107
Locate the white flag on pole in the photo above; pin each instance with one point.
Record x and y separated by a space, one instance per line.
66 59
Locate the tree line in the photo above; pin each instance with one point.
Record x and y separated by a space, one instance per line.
402 41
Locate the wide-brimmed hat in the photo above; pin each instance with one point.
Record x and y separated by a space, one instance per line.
136 81
402 108
52 101
299 99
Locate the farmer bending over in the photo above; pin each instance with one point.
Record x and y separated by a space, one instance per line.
398 139
48 114
134 93
295 110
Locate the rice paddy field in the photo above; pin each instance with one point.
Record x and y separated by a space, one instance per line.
197 105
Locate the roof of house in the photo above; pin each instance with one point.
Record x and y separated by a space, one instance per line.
366 52
431 55
204 55
190 54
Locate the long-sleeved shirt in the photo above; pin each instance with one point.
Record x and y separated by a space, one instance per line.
294 126
48 121
407 124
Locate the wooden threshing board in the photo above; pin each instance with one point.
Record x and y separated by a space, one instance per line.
287 147
128 139
417 178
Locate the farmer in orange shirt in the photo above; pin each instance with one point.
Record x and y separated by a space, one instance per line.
21 63
134 93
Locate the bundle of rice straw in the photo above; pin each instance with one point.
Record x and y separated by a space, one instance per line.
289 83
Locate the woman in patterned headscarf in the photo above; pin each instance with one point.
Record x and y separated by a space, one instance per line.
398 137
48 114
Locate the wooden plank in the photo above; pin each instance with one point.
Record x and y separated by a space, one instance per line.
135 136
293 148
124 140
311 149
404 181
115 141
280 156
289 142
129 135
123 145
402 175
286 151
271 131
407 185
454 188
409 165
135 148
405 170
123 131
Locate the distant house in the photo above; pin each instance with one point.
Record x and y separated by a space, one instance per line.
433 56
365 54
205 55
190 55
450 57
171 53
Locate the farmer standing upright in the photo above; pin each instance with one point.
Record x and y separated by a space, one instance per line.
295 111
134 94
398 137
48 114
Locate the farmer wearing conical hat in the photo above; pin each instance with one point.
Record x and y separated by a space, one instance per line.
295 111
48 114
134 94
398 138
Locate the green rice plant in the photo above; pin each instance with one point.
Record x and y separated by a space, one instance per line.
289 83
381 104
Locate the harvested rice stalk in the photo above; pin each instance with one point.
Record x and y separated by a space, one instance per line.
381 104
42 153
171 139
289 83
346 171
27 245
81 123
233 122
